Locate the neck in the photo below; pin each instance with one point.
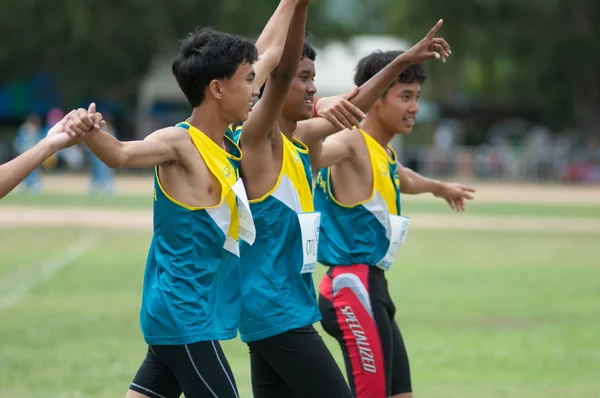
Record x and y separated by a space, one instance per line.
287 126
208 119
373 126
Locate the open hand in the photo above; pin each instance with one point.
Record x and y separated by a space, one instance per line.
456 195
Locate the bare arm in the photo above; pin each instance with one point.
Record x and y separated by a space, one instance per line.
260 123
156 149
413 183
318 128
15 171
271 41
335 149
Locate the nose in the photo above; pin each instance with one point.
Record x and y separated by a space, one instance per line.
311 88
255 89
413 107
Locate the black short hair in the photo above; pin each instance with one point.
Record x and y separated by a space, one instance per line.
205 55
370 65
307 52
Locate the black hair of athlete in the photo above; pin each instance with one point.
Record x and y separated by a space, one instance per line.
307 52
207 54
373 63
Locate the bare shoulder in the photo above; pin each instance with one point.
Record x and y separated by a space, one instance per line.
358 148
353 138
171 134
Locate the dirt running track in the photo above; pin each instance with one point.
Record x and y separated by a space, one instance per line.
32 217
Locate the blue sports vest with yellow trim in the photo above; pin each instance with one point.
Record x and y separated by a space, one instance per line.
192 279
276 296
358 234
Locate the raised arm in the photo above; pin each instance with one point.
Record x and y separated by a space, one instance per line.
271 41
430 47
260 123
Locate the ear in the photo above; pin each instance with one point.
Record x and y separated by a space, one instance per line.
216 88
378 103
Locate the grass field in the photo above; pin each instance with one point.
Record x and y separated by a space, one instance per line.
485 314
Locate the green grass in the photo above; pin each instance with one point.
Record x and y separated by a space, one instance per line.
408 206
484 315
79 200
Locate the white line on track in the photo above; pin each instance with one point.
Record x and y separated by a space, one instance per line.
17 284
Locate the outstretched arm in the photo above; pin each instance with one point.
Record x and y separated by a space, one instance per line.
413 183
430 47
158 148
262 118
15 171
271 41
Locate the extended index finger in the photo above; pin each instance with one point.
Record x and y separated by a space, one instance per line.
434 30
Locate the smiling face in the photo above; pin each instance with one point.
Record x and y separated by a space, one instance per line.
398 108
239 93
300 98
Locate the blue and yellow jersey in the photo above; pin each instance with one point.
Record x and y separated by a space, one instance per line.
276 295
359 234
192 279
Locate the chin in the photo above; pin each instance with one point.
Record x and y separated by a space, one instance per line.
244 117
404 131
304 115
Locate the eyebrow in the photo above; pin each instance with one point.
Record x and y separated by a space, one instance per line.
305 71
407 91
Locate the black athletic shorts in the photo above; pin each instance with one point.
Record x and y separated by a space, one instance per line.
295 364
358 311
197 370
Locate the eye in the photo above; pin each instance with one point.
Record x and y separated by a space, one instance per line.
304 78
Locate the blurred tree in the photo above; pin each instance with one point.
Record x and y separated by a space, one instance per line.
104 49
523 54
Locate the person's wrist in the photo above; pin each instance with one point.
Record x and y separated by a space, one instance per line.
315 111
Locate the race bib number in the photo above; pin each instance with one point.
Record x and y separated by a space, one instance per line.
247 230
310 223
399 231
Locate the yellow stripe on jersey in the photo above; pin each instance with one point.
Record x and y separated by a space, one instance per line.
293 168
219 165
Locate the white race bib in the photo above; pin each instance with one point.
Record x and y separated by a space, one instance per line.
399 230
247 231
310 223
